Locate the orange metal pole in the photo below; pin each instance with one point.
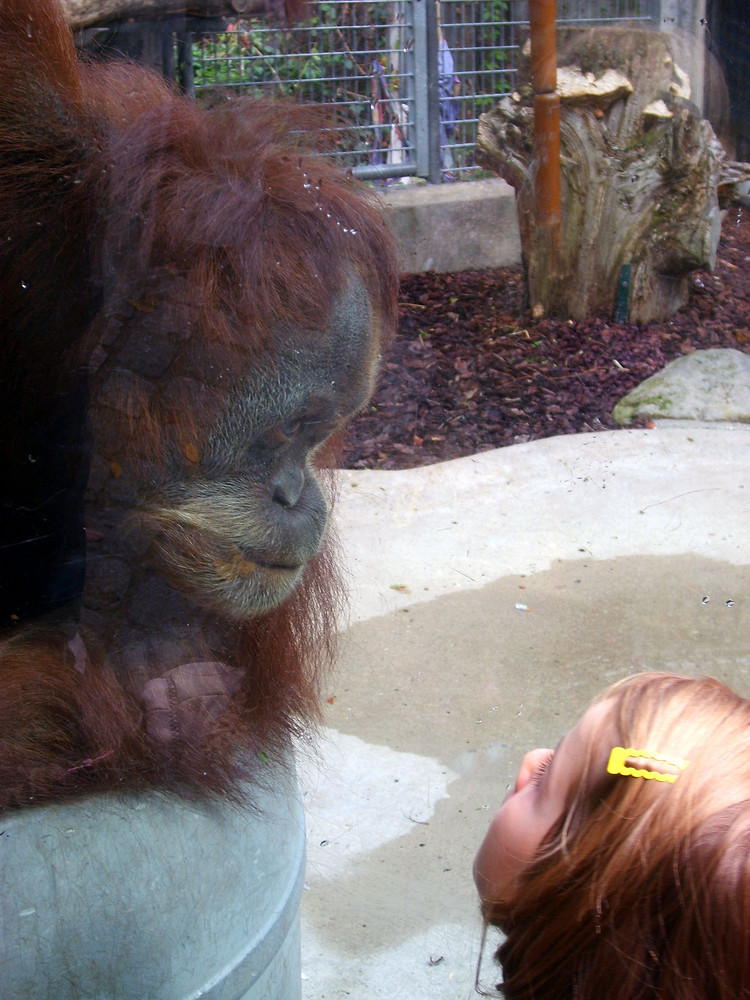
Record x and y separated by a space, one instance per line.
546 116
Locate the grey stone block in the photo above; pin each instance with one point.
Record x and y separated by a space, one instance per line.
454 227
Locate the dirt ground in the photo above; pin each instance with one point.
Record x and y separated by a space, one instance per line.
471 370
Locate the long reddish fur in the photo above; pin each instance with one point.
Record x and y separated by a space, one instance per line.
107 177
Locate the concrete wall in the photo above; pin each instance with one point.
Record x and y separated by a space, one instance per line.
454 227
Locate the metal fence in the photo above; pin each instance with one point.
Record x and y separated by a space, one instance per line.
408 79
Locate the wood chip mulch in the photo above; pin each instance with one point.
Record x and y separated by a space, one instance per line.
471 370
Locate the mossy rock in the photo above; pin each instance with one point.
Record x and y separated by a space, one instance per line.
709 385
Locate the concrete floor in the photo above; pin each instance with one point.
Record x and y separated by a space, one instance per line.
492 598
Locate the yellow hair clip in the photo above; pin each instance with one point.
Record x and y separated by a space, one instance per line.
619 755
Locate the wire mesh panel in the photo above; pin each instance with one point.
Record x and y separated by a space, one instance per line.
602 11
483 37
365 60
353 56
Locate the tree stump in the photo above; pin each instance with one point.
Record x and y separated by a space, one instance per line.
640 172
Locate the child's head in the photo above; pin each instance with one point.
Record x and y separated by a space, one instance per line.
626 887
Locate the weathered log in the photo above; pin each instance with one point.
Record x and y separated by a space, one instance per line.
86 13
639 179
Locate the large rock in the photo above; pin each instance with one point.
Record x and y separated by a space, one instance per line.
706 385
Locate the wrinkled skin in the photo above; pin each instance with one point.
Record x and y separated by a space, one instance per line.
237 537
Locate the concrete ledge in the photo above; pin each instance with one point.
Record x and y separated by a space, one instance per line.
454 227
413 535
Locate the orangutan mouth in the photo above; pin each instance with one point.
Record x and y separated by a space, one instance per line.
241 566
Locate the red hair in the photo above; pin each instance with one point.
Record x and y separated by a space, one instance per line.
642 890
138 225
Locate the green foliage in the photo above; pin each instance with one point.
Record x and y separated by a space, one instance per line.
326 60
331 60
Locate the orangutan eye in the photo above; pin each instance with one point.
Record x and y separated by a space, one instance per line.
290 428
541 767
280 434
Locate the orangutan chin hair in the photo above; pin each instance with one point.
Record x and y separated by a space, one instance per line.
193 308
